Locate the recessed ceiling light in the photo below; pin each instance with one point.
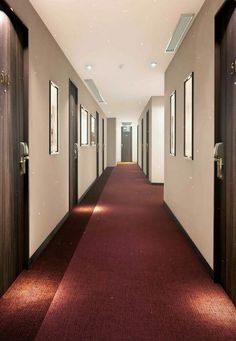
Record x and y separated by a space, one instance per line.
153 65
89 67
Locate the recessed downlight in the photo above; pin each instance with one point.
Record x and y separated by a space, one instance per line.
153 64
88 67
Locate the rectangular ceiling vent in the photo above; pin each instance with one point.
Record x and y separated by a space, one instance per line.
126 123
92 86
180 32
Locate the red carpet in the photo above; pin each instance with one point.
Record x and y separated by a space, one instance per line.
134 277
25 304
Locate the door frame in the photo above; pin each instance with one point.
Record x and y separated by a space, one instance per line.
19 25
97 142
142 149
131 131
221 243
103 144
137 144
77 93
147 142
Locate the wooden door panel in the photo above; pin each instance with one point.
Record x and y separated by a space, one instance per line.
97 142
73 112
126 141
12 183
142 146
225 131
103 144
147 144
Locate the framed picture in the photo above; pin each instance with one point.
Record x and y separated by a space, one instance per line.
92 130
173 123
53 119
188 116
83 126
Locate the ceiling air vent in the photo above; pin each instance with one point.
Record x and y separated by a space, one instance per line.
92 86
181 29
126 123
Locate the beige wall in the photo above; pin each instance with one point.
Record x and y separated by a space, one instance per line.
189 184
155 106
49 175
111 142
157 140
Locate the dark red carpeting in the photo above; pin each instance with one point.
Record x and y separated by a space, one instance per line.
24 306
134 277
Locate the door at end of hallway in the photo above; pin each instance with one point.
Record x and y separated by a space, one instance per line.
126 144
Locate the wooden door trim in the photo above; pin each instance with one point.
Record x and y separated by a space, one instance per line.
103 144
97 143
131 143
147 143
142 151
220 251
137 144
19 25
71 83
131 133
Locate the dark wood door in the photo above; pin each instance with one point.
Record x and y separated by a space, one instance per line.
225 152
137 144
126 144
147 144
13 149
142 146
73 145
97 142
103 144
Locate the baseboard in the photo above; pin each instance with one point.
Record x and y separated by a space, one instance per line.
157 183
190 241
43 246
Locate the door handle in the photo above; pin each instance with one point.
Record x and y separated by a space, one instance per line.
24 156
76 150
233 68
219 158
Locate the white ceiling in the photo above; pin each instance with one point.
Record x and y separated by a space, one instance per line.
110 33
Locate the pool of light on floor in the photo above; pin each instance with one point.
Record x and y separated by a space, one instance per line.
100 209
90 209
212 308
30 289
84 209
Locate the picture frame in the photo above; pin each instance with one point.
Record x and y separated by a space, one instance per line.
173 123
92 130
189 116
83 126
53 119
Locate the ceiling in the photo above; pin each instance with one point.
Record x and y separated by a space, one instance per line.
119 38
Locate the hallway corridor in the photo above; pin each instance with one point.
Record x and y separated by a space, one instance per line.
134 277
